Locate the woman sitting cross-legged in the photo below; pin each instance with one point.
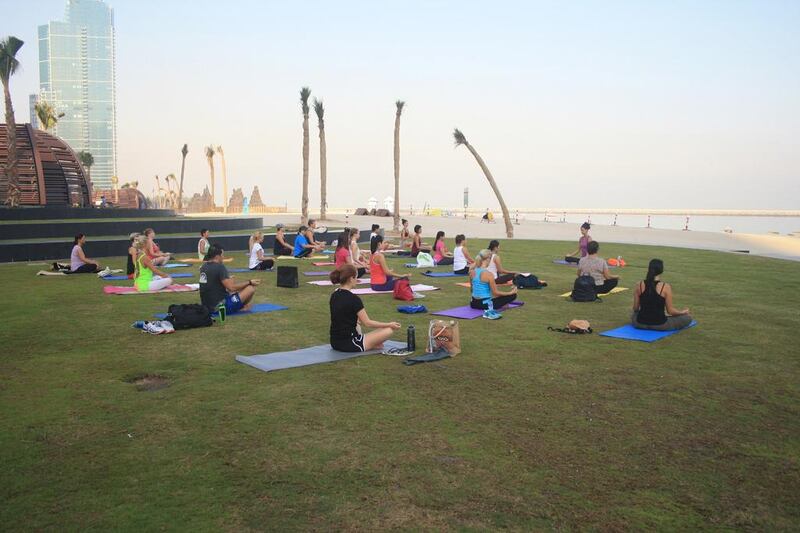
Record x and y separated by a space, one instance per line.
484 287
440 254
461 257
342 255
417 245
596 267
280 246
147 276
78 262
348 316
381 277
652 298
257 259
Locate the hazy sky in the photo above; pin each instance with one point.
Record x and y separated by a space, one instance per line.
571 104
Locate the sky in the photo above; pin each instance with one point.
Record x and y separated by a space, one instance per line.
626 104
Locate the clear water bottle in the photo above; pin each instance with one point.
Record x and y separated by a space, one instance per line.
411 338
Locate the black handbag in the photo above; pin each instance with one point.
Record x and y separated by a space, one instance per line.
287 277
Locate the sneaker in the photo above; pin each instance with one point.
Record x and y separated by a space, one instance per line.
153 327
105 272
167 326
399 352
492 315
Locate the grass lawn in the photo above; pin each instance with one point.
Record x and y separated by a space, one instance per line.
527 429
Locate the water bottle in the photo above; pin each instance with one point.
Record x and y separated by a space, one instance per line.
619 260
221 313
411 338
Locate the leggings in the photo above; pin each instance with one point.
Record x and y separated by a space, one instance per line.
570 259
266 264
673 322
388 286
498 302
360 272
463 272
87 268
606 286
445 261
504 278
159 283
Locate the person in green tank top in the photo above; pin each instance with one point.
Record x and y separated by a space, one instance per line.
147 277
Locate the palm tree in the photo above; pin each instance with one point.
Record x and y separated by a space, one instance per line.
461 140
172 185
184 151
210 159
399 104
47 115
305 92
87 160
319 109
224 180
8 66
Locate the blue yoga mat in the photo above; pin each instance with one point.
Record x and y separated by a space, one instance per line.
248 270
257 308
630 333
176 275
176 265
442 274
414 265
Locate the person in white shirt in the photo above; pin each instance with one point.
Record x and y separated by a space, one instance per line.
500 274
202 245
461 258
257 259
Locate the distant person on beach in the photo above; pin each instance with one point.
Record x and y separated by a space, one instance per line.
487 217
132 254
78 262
381 277
501 275
348 316
583 243
147 277
153 251
257 260
597 268
652 298
217 286
203 244
342 255
461 258
417 245
440 254
280 246
484 287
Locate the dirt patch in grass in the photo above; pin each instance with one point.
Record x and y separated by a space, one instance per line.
149 382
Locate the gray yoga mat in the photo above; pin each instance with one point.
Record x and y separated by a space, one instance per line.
305 357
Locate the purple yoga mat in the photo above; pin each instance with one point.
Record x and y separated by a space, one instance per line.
317 273
469 313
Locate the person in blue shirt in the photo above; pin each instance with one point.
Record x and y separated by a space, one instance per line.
303 244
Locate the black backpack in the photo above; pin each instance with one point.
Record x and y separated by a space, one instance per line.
187 316
287 277
526 282
584 289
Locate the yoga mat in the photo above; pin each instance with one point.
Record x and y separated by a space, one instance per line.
615 290
468 313
562 262
324 264
630 333
305 357
427 358
328 252
442 274
468 285
113 289
256 308
175 265
414 265
328 283
316 273
196 260
415 288
176 275
248 270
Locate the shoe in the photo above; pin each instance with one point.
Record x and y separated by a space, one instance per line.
153 327
167 326
139 324
492 315
399 352
105 272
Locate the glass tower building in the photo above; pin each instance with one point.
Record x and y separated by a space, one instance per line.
77 77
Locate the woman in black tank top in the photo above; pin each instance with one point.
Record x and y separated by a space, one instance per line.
652 303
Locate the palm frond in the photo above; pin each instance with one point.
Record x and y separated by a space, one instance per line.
220 152
459 137
185 150
209 151
400 105
305 93
319 109
8 61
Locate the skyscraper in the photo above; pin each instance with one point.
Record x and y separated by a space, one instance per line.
77 77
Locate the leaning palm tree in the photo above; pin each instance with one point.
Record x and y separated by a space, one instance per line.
87 160
8 66
224 180
47 115
396 222
305 93
210 159
184 151
319 109
461 140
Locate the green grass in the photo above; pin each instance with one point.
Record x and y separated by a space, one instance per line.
527 429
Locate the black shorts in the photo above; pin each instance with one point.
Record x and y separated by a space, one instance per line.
353 344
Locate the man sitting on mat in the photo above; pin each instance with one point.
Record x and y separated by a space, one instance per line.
302 246
381 277
280 246
651 298
217 286
348 316
595 266
484 288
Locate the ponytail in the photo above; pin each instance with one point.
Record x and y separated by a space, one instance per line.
654 269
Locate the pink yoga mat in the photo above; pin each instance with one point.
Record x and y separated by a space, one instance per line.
415 288
469 313
327 283
323 264
115 289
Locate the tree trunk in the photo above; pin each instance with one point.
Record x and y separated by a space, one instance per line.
224 185
323 173
12 184
396 221
506 216
180 189
211 166
304 200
